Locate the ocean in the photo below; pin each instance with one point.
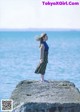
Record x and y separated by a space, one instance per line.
20 54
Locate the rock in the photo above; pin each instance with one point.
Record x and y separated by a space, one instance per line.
52 96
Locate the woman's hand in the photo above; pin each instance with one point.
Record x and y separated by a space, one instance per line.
41 60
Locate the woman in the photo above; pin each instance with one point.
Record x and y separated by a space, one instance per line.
43 55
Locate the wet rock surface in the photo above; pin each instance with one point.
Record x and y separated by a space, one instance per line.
51 96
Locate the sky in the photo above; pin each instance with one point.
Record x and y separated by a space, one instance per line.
25 14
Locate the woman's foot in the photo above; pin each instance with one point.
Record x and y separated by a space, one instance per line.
43 81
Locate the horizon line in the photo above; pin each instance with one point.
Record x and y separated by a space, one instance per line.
39 29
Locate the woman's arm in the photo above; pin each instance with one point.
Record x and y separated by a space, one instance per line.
41 53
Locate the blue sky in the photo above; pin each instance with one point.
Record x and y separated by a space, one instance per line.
24 14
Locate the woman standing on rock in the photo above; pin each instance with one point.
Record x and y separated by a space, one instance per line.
43 55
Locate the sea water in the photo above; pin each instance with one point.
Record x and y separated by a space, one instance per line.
20 55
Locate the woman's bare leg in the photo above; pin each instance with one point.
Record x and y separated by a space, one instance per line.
42 77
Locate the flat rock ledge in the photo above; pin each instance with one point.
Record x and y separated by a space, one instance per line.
51 96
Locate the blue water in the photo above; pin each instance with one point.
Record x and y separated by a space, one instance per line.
19 56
